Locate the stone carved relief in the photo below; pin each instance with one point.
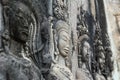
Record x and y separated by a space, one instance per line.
84 48
63 41
20 29
63 55
60 9
99 55
37 45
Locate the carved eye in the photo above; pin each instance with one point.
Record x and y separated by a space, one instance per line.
65 39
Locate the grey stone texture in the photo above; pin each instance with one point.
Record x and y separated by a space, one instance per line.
54 40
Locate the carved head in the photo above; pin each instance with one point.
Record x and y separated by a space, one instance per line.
86 51
20 20
62 29
86 48
102 60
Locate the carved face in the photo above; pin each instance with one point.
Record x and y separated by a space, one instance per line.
86 51
102 60
63 43
20 22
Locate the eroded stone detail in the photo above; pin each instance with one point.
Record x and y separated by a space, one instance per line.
37 42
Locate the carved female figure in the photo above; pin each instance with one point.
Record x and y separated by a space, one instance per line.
61 69
20 29
63 41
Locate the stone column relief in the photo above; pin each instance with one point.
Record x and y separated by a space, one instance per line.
54 40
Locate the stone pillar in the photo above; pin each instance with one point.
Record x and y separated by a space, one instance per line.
72 7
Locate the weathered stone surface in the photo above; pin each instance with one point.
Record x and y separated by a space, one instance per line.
83 74
112 10
14 68
57 40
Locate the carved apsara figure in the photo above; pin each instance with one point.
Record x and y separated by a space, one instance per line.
61 69
84 49
16 57
63 41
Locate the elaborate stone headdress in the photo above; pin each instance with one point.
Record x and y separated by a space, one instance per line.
61 26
